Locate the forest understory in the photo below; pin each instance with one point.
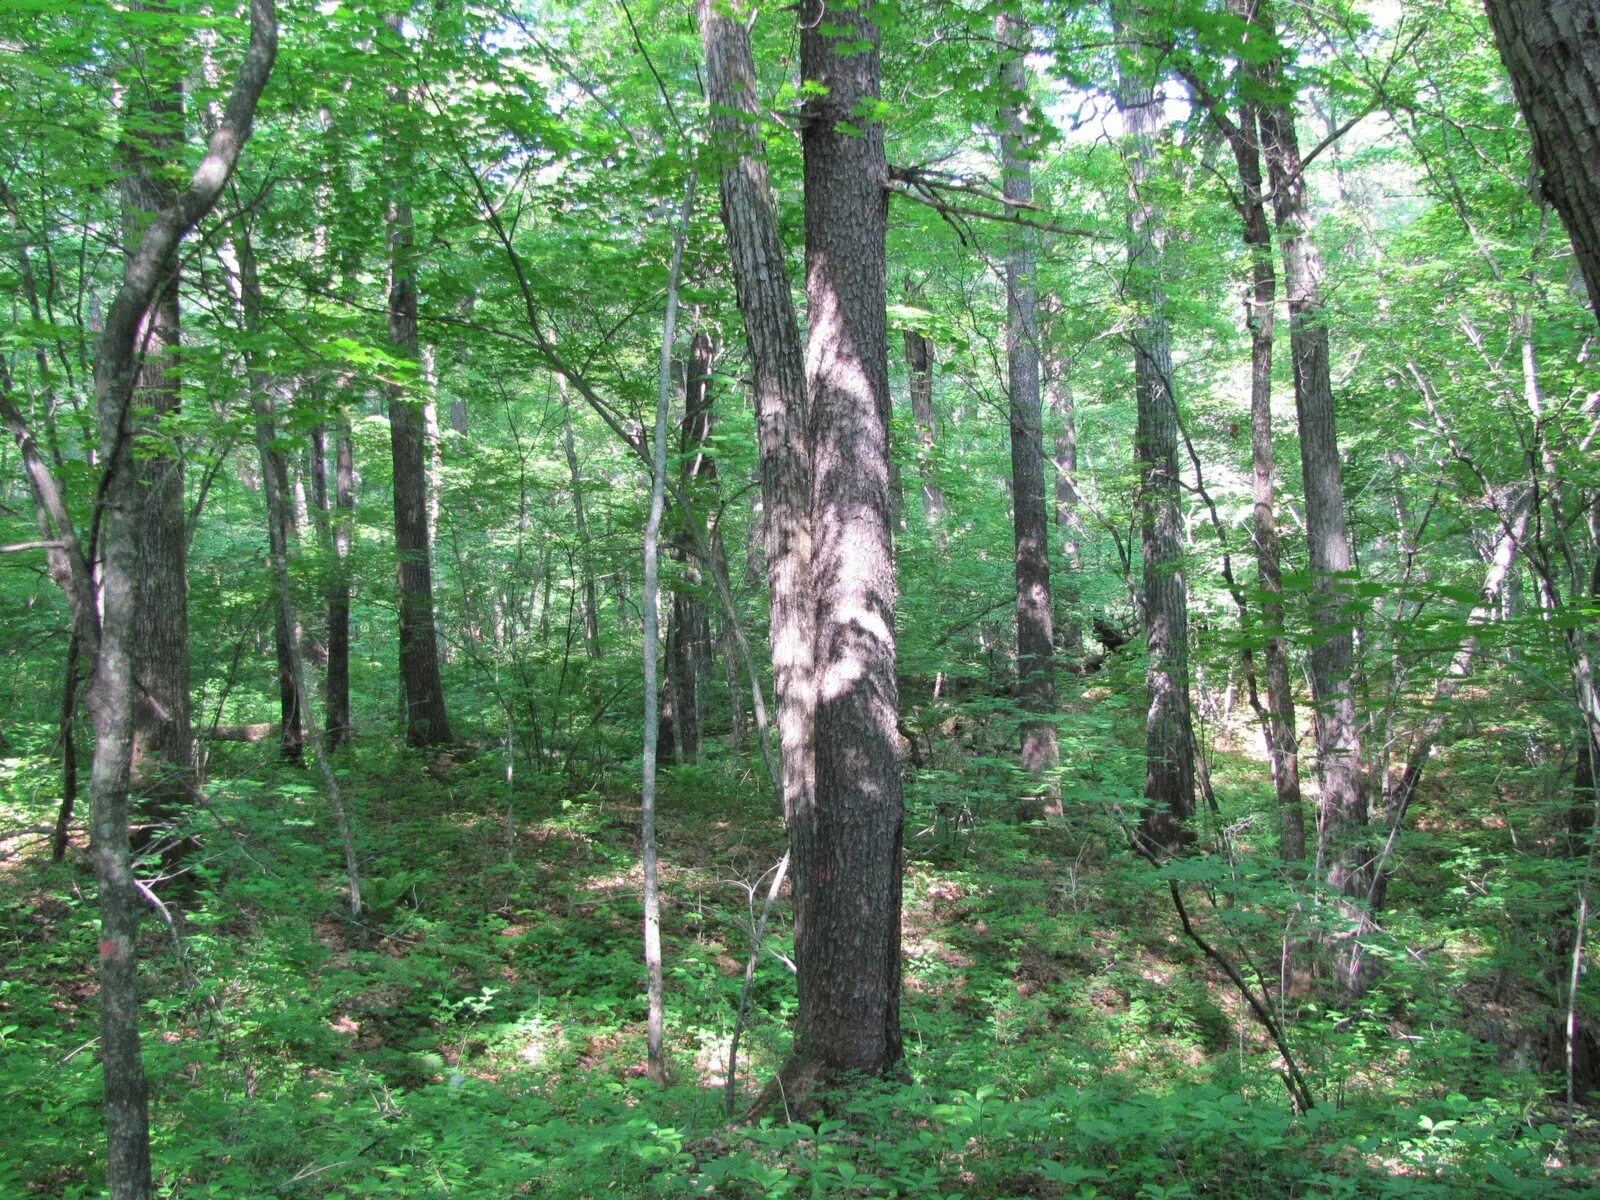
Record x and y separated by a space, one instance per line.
480 1031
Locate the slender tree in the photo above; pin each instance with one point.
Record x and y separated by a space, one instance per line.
104 604
749 215
426 721
1169 787
1030 521
1342 811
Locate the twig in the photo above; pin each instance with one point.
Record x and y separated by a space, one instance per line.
757 936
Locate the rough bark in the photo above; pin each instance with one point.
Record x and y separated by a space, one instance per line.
1030 522
749 215
1342 813
1551 49
846 848
1169 789
426 720
152 137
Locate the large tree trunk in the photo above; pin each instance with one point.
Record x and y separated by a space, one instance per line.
426 720
1030 522
846 848
1342 817
773 334
1551 49
1169 736
163 752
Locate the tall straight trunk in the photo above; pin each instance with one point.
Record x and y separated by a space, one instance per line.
1169 787
1277 715
580 526
1069 525
919 372
341 519
426 721
1551 49
239 254
846 849
1030 522
689 634
163 753
761 280
1283 742
652 545
1342 814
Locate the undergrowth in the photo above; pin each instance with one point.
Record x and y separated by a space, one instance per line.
481 1034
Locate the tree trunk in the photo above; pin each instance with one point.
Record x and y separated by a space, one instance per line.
652 541
1342 817
761 280
919 371
1069 526
1277 715
163 752
1169 788
1551 49
846 848
147 274
426 721
337 729
239 256
1035 617
580 525
689 634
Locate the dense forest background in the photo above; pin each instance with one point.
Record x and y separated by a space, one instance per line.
914 599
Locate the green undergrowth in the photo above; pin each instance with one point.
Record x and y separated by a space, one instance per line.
480 1033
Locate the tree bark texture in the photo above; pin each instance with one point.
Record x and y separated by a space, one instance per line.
426 721
1551 49
111 698
1342 813
1169 788
1030 522
151 138
749 215
846 848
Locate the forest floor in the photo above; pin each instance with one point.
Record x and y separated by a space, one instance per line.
481 1034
